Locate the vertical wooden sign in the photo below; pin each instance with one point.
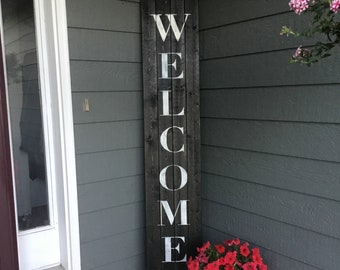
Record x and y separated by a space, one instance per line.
172 131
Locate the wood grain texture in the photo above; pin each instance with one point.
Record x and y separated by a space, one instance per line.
112 221
314 103
107 107
89 44
98 76
274 260
109 165
85 14
306 140
214 13
269 133
293 208
185 94
288 238
112 249
289 173
111 193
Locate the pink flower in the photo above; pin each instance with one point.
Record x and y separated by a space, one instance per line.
298 6
204 247
235 241
334 6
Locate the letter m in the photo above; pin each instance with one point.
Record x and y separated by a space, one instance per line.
172 24
182 206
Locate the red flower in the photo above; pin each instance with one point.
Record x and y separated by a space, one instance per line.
220 249
204 247
262 266
212 266
192 265
202 258
244 250
230 257
229 267
249 266
235 241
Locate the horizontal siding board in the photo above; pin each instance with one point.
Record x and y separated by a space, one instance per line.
273 260
135 262
304 103
300 175
111 249
113 221
85 44
104 14
290 241
315 141
108 136
234 39
309 212
109 165
88 76
220 12
107 107
266 69
111 193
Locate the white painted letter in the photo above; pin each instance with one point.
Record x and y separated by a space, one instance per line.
164 139
169 248
165 66
172 24
166 104
184 177
171 217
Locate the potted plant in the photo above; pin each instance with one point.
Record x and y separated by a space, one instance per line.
229 255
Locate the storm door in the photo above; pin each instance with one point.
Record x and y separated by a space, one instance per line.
42 166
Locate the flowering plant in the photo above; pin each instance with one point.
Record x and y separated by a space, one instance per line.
230 255
324 22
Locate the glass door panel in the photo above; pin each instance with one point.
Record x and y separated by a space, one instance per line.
26 118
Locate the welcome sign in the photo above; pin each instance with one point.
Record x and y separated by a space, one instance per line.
172 131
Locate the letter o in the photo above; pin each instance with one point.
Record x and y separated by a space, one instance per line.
162 177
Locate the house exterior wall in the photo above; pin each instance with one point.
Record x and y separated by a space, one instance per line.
270 137
105 61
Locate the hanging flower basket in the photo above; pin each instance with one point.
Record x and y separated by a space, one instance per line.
325 21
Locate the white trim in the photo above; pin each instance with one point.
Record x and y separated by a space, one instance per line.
70 253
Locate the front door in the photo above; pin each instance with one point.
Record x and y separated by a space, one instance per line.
42 231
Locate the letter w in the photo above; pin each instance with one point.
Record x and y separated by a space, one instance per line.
172 24
181 205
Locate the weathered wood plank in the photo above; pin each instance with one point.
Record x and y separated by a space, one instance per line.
108 15
306 140
113 221
266 69
151 146
304 103
108 136
109 165
283 238
107 107
91 76
193 128
219 12
109 46
124 245
111 193
309 212
300 175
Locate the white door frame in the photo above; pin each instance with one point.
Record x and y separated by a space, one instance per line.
67 199
52 43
